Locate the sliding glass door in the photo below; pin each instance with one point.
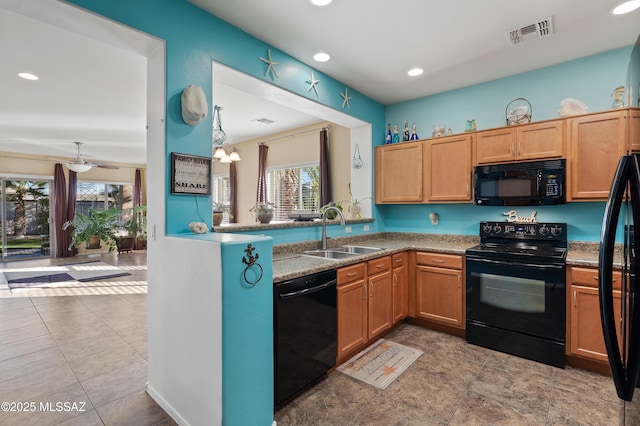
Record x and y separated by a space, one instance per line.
25 217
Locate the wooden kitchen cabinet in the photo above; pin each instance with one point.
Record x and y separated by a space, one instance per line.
380 296
585 337
449 169
596 143
400 289
439 294
399 173
352 309
521 143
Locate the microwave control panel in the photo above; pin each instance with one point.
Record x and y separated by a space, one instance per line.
552 185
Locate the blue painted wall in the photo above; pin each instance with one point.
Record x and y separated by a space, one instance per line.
590 79
584 219
247 336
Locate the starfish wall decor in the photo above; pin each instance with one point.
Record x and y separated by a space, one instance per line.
313 83
346 98
271 65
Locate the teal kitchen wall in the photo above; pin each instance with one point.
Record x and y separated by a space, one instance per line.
591 80
194 38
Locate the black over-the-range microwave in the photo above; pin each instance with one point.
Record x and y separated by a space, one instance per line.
529 183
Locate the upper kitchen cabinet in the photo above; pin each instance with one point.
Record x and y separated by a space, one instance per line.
448 177
523 142
399 173
596 143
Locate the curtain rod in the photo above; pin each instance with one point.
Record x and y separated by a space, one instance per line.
293 135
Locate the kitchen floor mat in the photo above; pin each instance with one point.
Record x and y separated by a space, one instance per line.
381 363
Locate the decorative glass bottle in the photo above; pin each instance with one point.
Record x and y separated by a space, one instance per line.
389 138
406 135
414 134
396 136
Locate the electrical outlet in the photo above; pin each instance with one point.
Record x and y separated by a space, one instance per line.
347 230
366 228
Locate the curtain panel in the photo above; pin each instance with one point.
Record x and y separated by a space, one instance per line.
325 169
261 195
233 193
59 211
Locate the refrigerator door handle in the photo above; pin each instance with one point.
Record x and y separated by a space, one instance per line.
624 364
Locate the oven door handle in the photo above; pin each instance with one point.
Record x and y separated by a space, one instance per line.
308 290
525 265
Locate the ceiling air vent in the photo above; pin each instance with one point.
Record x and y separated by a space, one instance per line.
264 121
540 29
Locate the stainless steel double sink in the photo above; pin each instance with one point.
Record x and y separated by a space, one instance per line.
342 252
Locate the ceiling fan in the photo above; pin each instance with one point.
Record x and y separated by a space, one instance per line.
78 164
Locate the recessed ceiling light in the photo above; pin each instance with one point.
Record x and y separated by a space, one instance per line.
413 72
321 57
626 7
320 2
27 76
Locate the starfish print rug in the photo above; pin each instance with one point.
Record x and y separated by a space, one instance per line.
381 363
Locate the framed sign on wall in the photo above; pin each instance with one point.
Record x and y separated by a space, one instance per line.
190 174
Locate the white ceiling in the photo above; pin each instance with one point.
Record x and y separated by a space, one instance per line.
373 43
95 91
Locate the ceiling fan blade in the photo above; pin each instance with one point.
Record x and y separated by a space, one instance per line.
102 165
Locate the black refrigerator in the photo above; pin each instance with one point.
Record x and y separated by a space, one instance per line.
621 315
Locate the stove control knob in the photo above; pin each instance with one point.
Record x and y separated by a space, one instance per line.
543 230
556 230
486 228
497 229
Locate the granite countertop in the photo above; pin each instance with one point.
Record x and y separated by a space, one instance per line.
289 263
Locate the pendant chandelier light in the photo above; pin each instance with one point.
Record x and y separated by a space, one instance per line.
218 135
218 139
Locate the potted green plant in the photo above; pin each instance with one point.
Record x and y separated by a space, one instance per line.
218 213
135 231
95 226
354 204
264 211
331 214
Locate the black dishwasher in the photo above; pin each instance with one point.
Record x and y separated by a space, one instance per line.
304 333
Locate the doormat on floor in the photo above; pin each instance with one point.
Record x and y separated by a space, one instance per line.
62 275
381 363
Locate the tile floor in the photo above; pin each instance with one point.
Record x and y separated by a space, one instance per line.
87 347
455 383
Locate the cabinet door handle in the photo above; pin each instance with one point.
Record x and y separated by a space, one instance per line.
380 265
512 151
518 151
613 280
398 260
458 280
395 279
366 292
437 260
574 298
371 290
352 274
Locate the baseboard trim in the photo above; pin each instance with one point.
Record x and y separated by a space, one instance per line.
168 408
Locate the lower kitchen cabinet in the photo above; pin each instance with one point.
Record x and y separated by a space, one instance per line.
400 290
585 330
352 308
439 294
380 295
365 304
